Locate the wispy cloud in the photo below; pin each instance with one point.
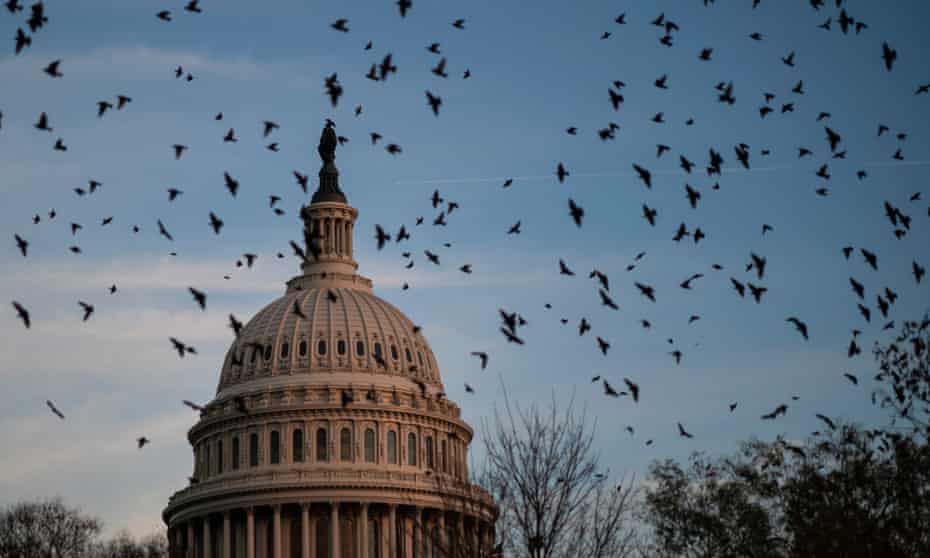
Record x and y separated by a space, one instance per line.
102 439
140 62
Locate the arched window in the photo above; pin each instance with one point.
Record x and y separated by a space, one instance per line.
378 349
219 457
275 447
442 456
392 447
267 352
297 443
206 468
255 351
411 449
235 452
341 346
345 444
394 354
420 357
369 445
302 348
408 355
360 348
429 452
321 347
321 444
253 450
285 349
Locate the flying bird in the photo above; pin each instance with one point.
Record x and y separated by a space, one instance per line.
644 175
633 387
88 310
54 409
22 313
434 101
52 69
575 211
21 244
483 356
200 297
889 55
799 325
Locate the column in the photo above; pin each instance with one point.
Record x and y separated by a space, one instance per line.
408 535
363 525
443 540
474 536
277 531
305 530
460 536
392 530
250 533
227 535
330 241
334 530
313 542
418 528
207 543
350 247
190 548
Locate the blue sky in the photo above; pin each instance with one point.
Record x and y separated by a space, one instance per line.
535 71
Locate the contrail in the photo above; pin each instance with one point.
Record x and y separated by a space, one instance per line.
726 170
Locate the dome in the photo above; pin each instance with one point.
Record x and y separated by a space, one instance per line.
343 330
330 434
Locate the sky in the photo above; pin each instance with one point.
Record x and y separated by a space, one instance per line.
535 71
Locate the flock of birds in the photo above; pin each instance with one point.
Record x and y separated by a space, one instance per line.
899 218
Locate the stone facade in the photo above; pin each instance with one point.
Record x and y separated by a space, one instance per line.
330 435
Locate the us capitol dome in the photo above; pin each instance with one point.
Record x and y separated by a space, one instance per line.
330 435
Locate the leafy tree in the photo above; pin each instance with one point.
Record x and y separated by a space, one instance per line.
846 492
702 511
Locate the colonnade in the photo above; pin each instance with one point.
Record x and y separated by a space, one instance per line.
333 529
336 233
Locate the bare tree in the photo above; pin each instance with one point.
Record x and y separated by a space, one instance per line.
124 545
46 529
543 470
905 376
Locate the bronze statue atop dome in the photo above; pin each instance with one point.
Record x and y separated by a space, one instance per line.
328 141
328 190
